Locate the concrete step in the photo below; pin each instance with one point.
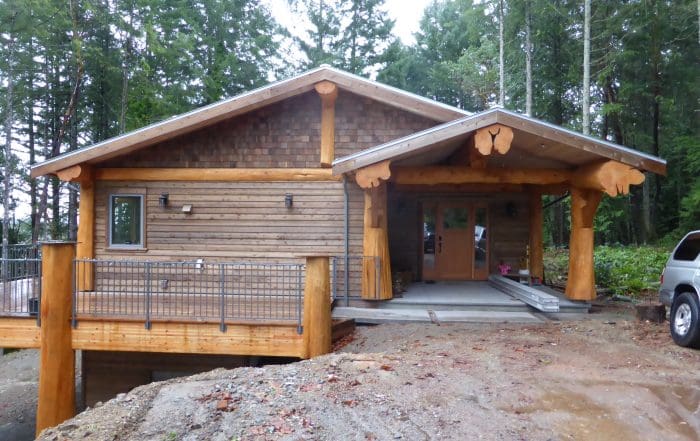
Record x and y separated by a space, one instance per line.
538 299
381 315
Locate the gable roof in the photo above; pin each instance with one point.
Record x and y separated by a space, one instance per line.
244 103
537 138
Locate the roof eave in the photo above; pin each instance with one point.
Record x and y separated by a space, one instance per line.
403 147
243 103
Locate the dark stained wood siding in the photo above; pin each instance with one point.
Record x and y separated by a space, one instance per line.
237 221
284 135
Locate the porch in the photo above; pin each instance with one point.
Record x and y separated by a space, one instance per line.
457 302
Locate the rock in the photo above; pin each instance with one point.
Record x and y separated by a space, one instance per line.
654 313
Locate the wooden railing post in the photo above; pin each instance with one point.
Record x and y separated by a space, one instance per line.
317 306
57 367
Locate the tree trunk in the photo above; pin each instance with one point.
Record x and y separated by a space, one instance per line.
501 67
585 102
528 59
8 169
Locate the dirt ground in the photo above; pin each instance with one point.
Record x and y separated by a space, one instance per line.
606 377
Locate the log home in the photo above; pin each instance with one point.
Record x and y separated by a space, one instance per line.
203 226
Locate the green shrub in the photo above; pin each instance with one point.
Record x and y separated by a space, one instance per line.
628 270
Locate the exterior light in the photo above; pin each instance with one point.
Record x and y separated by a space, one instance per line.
163 200
288 200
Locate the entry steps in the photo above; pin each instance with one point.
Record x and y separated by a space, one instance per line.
534 297
404 315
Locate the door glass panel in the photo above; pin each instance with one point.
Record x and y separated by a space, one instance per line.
455 218
429 238
480 238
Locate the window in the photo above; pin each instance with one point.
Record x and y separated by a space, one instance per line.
688 250
126 221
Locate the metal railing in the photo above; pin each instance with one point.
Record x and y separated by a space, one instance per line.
346 276
20 287
190 291
21 251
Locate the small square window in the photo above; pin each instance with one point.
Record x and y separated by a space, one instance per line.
126 221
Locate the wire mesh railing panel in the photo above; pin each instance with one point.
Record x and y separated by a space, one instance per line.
347 273
20 287
190 291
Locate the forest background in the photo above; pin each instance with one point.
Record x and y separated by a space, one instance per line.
76 72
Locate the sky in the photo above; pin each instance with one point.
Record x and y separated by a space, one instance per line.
407 14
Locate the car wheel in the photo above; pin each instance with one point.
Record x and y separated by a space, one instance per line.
685 320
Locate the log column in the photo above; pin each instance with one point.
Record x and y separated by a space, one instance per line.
317 307
86 235
376 266
328 92
85 176
57 367
536 242
581 281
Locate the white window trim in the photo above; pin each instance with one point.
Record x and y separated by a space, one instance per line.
139 245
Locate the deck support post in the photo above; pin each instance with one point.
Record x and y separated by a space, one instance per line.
536 243
86 234
580 284
57 367
376 266
328 92
317 307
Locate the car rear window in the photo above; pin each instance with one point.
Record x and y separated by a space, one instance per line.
688 249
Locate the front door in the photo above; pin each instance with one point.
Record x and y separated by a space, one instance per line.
455 245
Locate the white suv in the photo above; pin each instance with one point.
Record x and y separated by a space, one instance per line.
680 289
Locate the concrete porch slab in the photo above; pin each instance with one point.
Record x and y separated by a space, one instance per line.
376 315
455 293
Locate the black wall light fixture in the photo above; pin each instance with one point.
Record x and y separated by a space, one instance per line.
163 200
288 200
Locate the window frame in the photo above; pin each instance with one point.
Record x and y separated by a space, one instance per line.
110 211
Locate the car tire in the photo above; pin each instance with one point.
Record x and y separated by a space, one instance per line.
685 320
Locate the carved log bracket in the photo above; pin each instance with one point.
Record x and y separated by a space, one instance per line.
373 175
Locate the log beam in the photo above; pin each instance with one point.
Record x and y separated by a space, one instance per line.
376 266
373 175
57 366
580 284
216 174
431 175
328 92
611 177
536 263
494 137
317 307
188 338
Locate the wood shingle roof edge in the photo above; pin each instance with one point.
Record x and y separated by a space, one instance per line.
243 103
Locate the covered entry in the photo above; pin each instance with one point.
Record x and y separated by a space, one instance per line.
454 242
454 201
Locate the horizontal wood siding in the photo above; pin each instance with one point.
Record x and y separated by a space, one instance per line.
234 221
283 135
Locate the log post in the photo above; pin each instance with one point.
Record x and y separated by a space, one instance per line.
536 242
376 266
328 92
580 284
86 235
317 307
57 367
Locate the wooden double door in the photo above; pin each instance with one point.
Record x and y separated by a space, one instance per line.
455 240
